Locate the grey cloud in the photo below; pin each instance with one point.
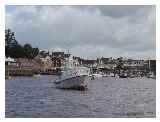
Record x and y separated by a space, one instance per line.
97 30
118 11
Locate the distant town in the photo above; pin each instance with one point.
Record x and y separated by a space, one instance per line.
46 63
27 61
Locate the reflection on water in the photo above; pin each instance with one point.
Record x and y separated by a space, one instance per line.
105 97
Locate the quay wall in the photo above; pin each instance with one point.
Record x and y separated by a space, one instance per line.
10 71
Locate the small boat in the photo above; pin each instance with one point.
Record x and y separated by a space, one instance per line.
123 75
97 75
92 77
72 77
8 77
130 75
111 75
151 75
104 75
36 75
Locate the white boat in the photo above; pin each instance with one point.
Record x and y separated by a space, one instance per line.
104 75
131 76
111 75
36 76
97 75
123 75
73 78
151 75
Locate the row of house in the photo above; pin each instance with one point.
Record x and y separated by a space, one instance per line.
111 65
46 61
43 63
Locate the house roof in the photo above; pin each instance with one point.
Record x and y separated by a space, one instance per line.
9 59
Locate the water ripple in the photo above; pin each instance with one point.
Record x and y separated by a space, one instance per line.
105 97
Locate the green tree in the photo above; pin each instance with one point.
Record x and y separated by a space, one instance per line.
27 50
10 42
10 38
15 50
35 52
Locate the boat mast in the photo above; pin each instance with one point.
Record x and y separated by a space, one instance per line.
149 65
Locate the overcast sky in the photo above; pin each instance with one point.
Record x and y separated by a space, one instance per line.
87 31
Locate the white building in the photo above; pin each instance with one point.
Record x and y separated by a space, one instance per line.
10 61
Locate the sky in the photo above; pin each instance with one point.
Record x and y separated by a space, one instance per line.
87 31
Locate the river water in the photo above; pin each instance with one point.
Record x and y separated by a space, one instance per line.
105 97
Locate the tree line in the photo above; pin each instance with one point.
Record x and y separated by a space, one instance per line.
15 50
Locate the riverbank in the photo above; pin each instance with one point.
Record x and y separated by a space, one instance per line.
17 71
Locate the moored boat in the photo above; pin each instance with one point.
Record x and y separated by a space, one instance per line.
72 81
97 75
36 75
123 75
151 75
72 77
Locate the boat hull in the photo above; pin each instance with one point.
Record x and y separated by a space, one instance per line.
76 82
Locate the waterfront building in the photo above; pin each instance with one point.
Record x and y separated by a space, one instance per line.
57 62
23 67
10 61
59 58
137 67
89 63
46 62
76 61
58 54
106 65
25 63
